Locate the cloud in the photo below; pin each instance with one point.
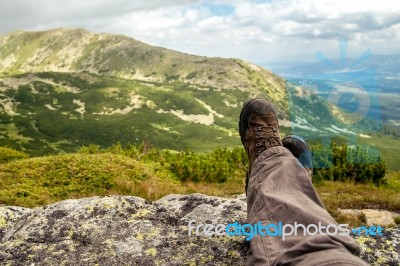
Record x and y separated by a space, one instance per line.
44 13
259 31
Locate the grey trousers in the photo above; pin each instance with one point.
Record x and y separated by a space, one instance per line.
280 190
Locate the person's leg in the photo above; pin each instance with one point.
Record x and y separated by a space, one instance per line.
280 190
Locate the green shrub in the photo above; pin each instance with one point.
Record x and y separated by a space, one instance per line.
335 163
217 166
41 180
7 155
342 163
90 149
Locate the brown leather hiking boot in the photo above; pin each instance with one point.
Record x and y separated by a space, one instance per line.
258 129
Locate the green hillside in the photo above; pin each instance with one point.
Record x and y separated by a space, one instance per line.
48 112
65 88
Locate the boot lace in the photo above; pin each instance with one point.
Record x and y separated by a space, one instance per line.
266 137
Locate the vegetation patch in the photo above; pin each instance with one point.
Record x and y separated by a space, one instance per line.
43 180
151 173
7 155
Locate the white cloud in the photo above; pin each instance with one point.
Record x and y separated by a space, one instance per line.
253 30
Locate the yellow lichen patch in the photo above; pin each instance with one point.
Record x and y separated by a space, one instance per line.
89 209
36 248
191 262
380 261
158 263
231 238
363 239
139 236
108 205
151 251
233 253
184 228
172 235
153 232
205 260
110 243
56 251
140 213
3 222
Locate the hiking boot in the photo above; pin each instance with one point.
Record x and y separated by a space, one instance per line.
258 129
299 148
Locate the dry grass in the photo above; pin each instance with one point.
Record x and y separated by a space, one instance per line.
348 195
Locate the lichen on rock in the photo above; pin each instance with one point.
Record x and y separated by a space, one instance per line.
126 230
120 230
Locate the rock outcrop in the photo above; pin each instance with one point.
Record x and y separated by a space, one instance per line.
373 217
125 230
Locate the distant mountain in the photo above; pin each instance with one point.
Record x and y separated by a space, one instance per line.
64 88
377 75
382 70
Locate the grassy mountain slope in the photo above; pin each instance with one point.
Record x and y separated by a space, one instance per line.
77 50
46 112
64 88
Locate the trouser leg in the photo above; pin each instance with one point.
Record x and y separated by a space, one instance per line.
280 190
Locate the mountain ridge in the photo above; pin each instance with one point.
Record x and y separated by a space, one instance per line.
64 88
125 57
111 88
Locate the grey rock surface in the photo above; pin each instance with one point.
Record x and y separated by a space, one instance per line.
125 230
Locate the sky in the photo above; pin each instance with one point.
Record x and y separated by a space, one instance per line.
267 33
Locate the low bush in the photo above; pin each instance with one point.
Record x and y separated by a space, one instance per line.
343 163
334 163
43 180
7 155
